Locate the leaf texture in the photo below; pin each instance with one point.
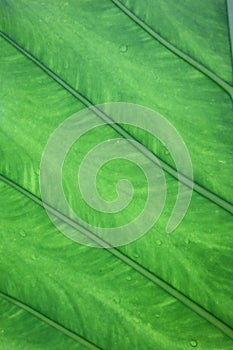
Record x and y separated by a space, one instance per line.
125 63
201 246
89 291
93 293
199 29
22 330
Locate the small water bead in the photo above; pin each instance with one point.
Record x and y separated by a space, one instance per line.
128 278
123 48
159 242
117 300
193 343
22 233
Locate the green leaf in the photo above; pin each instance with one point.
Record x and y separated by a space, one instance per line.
162 291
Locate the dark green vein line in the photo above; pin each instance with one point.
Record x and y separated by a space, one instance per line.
180 177
229 7
50 322
224 85
127 260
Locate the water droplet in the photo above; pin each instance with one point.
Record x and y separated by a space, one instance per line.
157 315
166 152
129 278
123 48
136 256
2 331
159 242
117 299
34 257
22 233
193 343
187 241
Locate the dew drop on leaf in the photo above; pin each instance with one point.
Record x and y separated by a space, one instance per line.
123 48
22 233
117 299
193 343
